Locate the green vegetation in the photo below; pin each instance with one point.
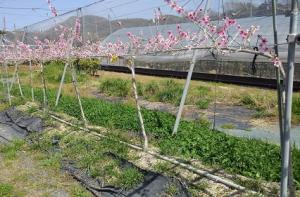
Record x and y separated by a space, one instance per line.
6 190
54 72
228 126
252 158
296 108
115 87
10 151
203 103
172 190
89 65
129 178
168 91
92 156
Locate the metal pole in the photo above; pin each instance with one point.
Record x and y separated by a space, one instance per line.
109 22
74 81
61 84
289 94
279 84
45 102
251 8
136 98
185 91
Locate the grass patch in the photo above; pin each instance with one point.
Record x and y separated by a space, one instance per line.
10 150
90 155
172 190
170 92
6 190
54 71
203 103
115 87
228 126
129 178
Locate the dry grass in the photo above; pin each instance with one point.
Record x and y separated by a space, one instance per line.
29 176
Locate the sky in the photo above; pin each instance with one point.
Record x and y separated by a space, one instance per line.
37 10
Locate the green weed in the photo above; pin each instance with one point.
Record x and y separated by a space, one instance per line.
10 150
129 178
228 126
170 92
203 103
115 87
248 100
6 190
171 190
151 88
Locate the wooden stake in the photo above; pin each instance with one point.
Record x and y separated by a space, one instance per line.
131 66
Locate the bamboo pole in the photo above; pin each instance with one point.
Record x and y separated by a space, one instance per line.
74 81
31 81
45 105
136 98
61 84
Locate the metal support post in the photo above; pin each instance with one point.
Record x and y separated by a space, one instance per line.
61 84
289 97
185 91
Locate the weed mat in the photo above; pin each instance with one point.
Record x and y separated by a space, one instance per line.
152 185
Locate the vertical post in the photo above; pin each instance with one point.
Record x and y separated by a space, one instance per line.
31 81
61 84
185 91
44 88
279 84
289 94
19 85
14 77
2 75
74 81
109 23
251 8
132 68
7 83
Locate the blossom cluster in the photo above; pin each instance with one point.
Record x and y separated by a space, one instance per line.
52 8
